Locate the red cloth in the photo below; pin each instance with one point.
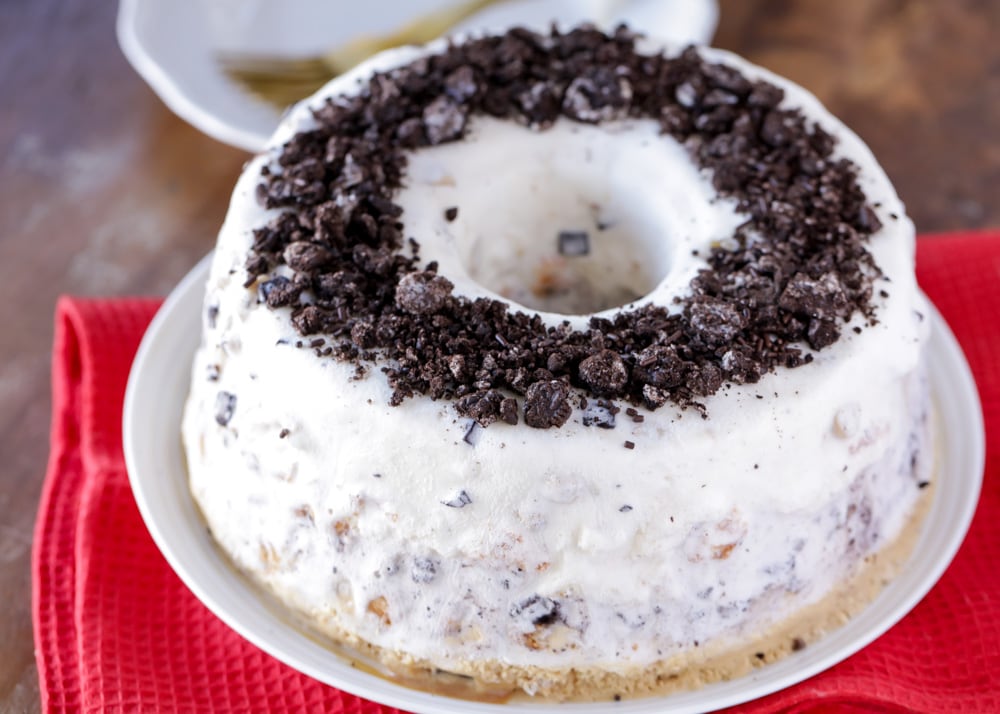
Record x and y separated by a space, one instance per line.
116 630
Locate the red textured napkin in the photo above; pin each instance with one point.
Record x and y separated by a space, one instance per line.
116 630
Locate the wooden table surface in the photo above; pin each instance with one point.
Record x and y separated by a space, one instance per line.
104 192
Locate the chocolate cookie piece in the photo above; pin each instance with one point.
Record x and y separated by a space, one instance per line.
547 404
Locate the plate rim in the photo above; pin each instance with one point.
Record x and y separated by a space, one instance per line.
963 403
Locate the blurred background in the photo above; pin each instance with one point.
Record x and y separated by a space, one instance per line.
105 191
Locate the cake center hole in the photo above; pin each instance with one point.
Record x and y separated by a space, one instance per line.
573 220
566 244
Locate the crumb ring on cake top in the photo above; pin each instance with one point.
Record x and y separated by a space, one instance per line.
794 272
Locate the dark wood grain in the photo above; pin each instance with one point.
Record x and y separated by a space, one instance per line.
104 192
919 81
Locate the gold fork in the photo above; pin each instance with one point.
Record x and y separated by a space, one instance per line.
281 81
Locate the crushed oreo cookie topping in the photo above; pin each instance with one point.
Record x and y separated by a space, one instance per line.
574 243
547 404
798 271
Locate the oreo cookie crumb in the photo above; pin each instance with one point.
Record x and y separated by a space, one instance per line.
629 445
546 404
537 610
508 411
484 407
450 214
604 373
574 243
795 270
471 436
424 570
422 293
211 315
279 291
225 405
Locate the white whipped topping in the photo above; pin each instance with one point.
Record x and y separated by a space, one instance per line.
646 550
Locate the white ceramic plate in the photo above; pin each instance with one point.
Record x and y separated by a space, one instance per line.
156 392
172 44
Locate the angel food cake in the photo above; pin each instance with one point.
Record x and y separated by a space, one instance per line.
564 364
